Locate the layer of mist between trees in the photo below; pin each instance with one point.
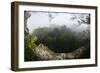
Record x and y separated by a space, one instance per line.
62 39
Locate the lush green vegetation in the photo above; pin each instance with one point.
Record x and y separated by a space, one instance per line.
29 45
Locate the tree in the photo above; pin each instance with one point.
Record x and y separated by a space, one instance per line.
81 18
52 16
26 16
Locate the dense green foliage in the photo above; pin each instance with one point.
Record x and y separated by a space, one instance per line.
29 45
29 41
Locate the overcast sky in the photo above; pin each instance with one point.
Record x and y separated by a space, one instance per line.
42 19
